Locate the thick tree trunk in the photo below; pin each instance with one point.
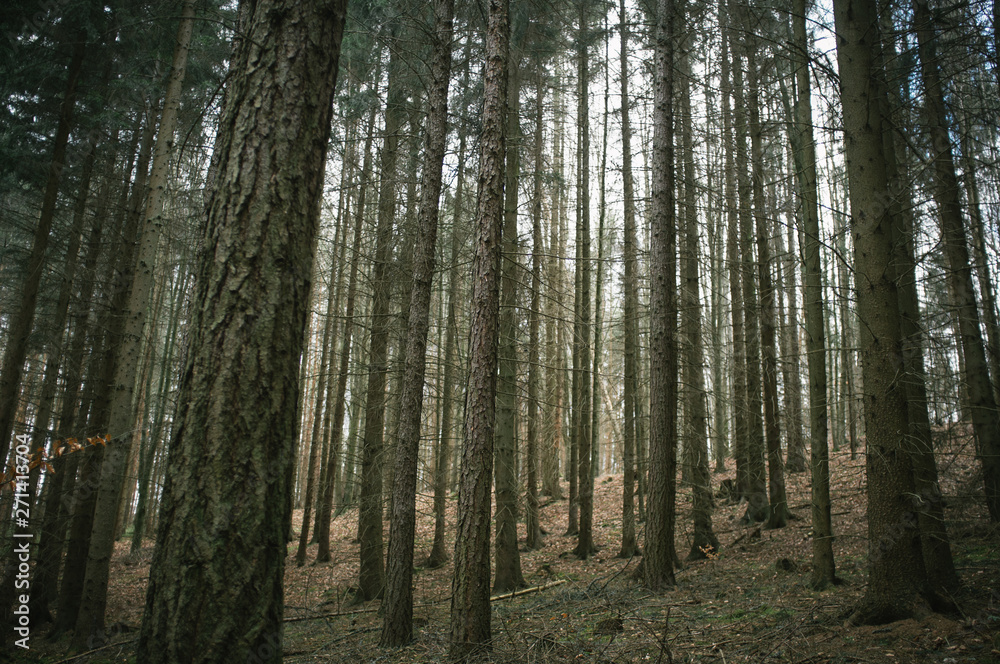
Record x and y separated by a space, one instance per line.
221 552
397 625
659 552
896 581
470 598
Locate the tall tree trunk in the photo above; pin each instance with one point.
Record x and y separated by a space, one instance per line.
704 540
371 575
630 309
740 408
758 507
439 554
795 459
553 327
532 528
778 508
804 149
101 378
897 581
317 437
507 558
470 597
221 552
985 417
397 625
659 554
21 323
90 619
339 403
585 484
935 545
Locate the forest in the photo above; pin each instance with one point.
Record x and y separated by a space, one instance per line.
508 330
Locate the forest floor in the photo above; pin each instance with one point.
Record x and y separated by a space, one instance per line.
750 603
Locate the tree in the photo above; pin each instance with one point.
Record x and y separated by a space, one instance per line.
704 540
896 577
630 311
659 552
90 620
730 83
532 528
804 151
224 543
582 325
16 349
778 512
507 558
470 599
397 627
371 576
985 417
438 555
755 490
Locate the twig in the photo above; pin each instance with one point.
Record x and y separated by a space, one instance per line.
525 591
90 652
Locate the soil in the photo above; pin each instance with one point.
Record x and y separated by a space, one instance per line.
750 602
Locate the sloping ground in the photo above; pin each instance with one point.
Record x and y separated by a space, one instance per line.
750 603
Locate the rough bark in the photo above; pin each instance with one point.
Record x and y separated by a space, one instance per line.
439 555
397 625
659 552
896 577
470 599
755 491
227 497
